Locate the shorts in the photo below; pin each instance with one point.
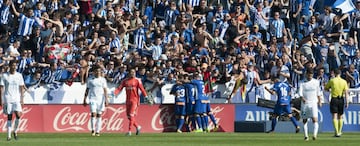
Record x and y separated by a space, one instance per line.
180 110
337 105
97 107
9 108
131 108
281 109
190 109
309 111
199 107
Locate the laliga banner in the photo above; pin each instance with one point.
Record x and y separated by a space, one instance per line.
76 118
251 112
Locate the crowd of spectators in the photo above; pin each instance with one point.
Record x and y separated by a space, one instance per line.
164 38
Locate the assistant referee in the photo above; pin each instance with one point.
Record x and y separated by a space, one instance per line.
338 88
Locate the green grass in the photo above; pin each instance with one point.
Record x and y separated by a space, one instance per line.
179 139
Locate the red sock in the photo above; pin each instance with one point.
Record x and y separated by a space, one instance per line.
130 123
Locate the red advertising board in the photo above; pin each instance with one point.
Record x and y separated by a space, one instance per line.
76 118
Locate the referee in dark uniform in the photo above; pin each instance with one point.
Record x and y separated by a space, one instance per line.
339 98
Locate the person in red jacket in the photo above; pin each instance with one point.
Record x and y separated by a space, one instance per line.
132 85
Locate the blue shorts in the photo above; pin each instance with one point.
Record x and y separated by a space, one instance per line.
207 107
190 109
199 107
180 110
281 109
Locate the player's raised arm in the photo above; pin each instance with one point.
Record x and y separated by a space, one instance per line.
16 13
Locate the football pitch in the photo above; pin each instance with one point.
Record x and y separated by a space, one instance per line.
179 139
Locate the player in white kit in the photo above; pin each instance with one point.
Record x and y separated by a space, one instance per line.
12 88
96 90
309 91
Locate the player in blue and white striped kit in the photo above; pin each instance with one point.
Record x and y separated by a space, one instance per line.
179 91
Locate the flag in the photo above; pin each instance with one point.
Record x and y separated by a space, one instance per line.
209 82
57 51
346 6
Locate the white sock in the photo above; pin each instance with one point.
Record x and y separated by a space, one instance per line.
92 122
98 124
306 130
9 128
16 124
316 128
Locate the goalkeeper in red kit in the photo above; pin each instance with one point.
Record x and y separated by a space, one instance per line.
132 85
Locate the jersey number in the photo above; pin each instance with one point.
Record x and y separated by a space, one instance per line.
284 92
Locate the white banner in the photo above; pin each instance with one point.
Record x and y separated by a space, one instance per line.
75 94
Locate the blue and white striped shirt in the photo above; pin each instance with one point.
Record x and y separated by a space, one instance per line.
25 26
53 6
222 29
193 3
139 38
356 82
156 51
294 5
49 76
4 12
23 63
170 16
115 43
276 28
356 62
37 13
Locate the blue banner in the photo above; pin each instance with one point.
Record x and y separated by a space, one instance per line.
251 112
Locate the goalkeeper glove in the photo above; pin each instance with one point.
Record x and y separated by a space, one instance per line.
149 100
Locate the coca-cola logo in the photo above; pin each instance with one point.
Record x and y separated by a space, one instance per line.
215 111
23 123
164 118
68 120
116 121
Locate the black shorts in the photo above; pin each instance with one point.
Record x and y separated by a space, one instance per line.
337 105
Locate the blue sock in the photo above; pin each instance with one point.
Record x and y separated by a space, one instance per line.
205 122
212 117
273 124
177 122
188 127
193 122
181 123
198 121
293 120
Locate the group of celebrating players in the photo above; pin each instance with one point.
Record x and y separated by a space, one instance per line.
192 105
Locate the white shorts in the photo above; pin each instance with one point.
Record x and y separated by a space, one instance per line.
309 111
97 107
9 108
